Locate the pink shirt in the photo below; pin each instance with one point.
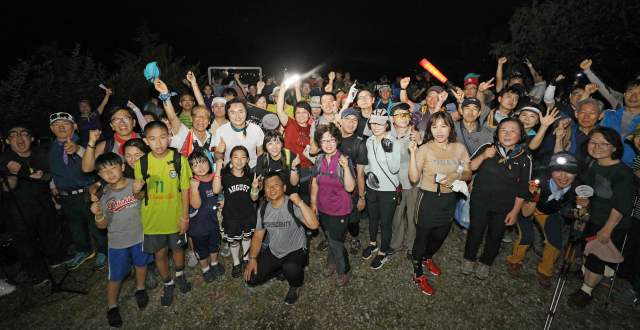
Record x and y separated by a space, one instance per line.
333 199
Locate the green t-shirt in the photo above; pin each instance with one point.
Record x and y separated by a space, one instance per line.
186 120
162 213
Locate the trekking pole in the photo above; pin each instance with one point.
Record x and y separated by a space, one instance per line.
566 266
606 304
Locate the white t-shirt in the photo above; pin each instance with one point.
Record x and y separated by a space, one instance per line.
177 140
254 139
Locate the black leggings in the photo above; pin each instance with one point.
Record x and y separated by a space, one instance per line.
381 206
432 209
270 266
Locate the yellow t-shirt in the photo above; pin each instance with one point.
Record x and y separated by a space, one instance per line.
164 209
287 109
436 160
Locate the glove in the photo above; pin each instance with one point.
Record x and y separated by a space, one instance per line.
352 93
387 145
372 180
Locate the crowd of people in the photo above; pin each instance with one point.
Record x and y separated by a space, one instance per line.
404 161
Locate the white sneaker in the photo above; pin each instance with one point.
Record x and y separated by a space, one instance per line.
6 288
193 261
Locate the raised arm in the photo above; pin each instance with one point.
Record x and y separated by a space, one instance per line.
309 217
349 180
196 91
92 152
284 118
237 78
501 62
614 97
404 83
476 162
296 86
482 88
168 106
545 122
139 116
260 86
107 94
329 87
550 92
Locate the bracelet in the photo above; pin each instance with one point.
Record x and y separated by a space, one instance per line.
253 258
194 84
605 231
166 97
90 146
257 192
96 217
294 171
217 176
184 221
195 194
612 223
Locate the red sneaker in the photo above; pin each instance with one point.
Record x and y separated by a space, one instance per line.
431 266
423 284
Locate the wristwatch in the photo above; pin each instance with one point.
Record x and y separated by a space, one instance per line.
252 258
361 197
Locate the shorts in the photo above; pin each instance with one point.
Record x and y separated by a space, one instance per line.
204 245
155 243
120 259
236 230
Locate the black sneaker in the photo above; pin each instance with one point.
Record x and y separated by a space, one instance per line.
579 299
409 255
218 269
378 261
142 298
113 315
391 251
355 246
366 254
183 284
281 277
236 271
209 276
62 261
323 246
167 295
292 295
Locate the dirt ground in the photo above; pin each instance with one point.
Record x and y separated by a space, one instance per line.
373 299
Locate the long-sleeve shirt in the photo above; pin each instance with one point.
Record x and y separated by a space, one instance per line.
384 165
614 97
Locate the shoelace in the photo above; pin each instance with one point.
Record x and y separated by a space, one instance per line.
168 290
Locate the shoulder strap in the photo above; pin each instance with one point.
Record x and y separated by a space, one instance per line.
464 138
356 146
287 152
144 169
177 165
108 145
319 173
293 214
263 210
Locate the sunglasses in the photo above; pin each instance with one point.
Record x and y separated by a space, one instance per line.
403 115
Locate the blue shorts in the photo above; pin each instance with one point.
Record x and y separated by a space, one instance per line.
120 259
204 245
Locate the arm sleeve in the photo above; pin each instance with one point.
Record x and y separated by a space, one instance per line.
393 157
612 96
549 94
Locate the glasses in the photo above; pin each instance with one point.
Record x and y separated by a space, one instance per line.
186 101
14 134
576 95
306 87
602 145
205 117
364 97
402 115
119 120
353 120
240 112
325 142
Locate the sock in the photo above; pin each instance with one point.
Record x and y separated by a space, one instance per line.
587 288
235 252
179 270
608 271
372 244
246 245
214 263
140 288
204 270
167 281
114 305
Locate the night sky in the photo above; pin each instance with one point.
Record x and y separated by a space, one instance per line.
367 38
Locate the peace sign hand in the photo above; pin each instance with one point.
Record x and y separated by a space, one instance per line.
485 85
256 181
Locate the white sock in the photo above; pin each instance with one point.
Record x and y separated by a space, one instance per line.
246 245
179 273
235 253
587 288
204 270
608 271
214 263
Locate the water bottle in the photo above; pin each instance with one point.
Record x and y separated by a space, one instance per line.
460 166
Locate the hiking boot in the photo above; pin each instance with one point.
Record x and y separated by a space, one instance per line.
431 266
366 254
544 281
183 284
467 267
378 261
6 288
391 251
225 252
482 271
579 299
218 269
409 255
151 282
114 318
329 269
342 280
236 271
209 276
627 297
79 259
423 284
101 262
514 270
323 246
167 295
606 281
142 298
192 261
355 246
292 295
64 260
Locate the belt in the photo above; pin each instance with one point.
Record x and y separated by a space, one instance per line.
73 192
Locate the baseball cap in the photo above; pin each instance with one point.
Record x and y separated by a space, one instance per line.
436 89
471 80
61 116
379 116
218 99
275 89
349 111
315 102
563 161
471 100
385 88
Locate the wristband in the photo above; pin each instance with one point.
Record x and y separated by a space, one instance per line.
96 217
403 89
166 97
90 146
529 65
184 221
196 194
194 85
605 231
253 258
257 192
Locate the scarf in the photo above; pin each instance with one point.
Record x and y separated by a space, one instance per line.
555 192
122 141
243 130
517 150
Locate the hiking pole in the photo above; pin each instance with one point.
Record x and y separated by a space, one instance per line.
564 271
606 303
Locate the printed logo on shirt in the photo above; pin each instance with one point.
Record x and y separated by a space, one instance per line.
277 224
173 174
239 187
445 162
210 193
116 205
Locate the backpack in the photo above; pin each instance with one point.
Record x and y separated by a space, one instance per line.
144 168
263 210
340 175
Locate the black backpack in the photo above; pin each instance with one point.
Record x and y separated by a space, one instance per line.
263 210
144 168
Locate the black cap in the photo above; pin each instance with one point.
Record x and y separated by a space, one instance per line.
471 100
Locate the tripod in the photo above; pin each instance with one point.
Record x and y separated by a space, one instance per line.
56 287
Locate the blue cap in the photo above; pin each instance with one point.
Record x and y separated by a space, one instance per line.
471 75
151 72
350 111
